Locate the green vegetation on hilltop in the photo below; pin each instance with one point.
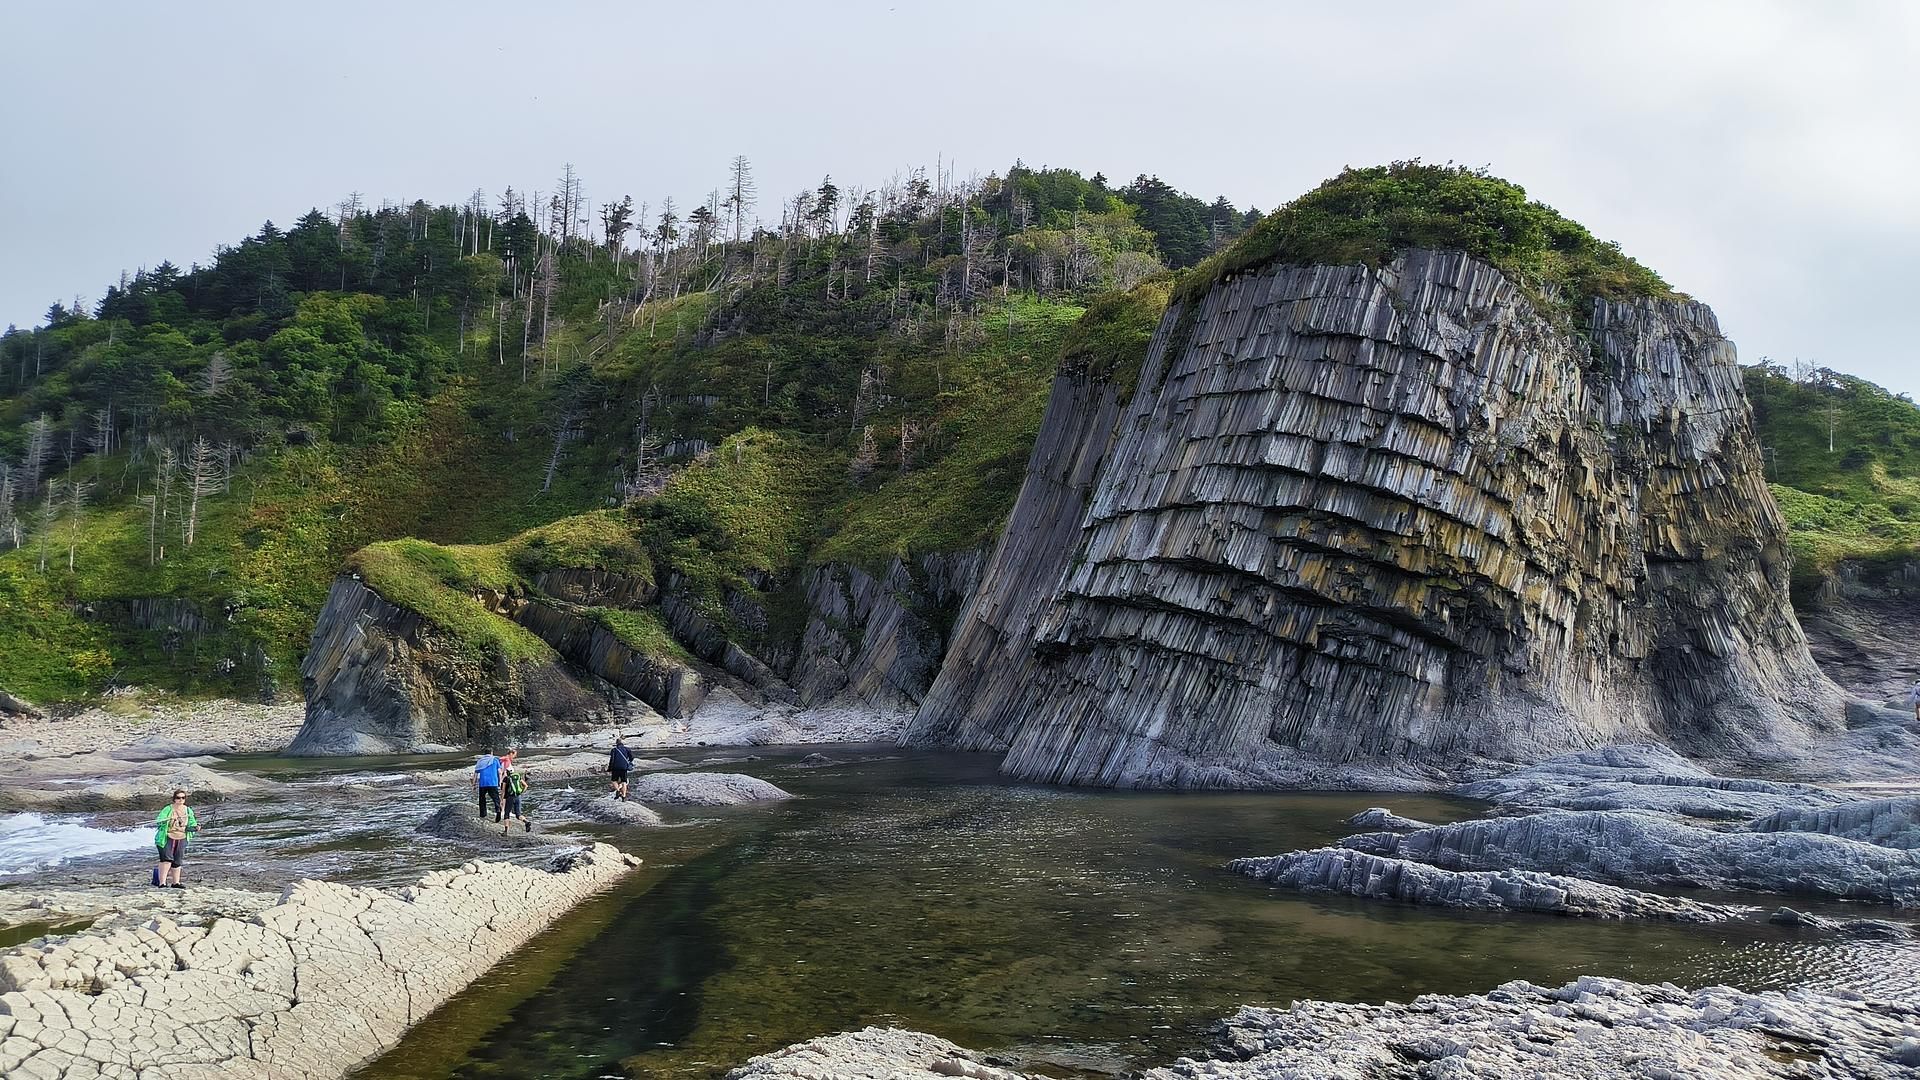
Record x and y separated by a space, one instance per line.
453 399
1369 215
1843 456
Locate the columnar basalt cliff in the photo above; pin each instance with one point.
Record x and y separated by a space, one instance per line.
1392 514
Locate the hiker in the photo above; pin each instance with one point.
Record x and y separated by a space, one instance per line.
172 828
1913 699
513 781
619 764
486 781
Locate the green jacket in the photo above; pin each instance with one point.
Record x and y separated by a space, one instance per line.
166 815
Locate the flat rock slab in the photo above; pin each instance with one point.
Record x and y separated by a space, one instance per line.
1592 1027
608 810
1893 823
1345 872
1643 777
101 781
1378 818
306 989
1634 848
703 789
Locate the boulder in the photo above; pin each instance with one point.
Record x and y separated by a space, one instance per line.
606 809
1377 818
464 824
703 789
14 706
873 1053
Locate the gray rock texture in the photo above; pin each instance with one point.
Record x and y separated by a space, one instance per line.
873 1053
1893 823
1379 819
880 639
1643 777
1604 1029
1346 872
1387 515
13 706
1883 929
1636 848
464 824
306 989
703 789
381 678
604 808
102 781
1592 1027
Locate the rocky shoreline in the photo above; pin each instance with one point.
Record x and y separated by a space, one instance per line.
309 987
1591 1027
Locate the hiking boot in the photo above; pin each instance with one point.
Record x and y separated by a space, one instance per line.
176 885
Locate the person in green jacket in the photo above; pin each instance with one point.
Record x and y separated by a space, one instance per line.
172 828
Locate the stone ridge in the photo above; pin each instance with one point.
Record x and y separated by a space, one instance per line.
1396 514
1345 872
307 989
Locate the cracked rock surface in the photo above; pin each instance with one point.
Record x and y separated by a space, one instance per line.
306 989
1353 873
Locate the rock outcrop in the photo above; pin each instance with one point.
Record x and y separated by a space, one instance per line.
307 989
1592 1027
1393 515
1893 823
1345 872
874 1053
1636 848
703 789
12 706
880 640
1641 777
381 678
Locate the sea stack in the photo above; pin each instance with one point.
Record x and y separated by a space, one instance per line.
1414 508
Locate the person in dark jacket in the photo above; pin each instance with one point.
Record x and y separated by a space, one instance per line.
619 764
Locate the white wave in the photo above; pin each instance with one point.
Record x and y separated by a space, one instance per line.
36 842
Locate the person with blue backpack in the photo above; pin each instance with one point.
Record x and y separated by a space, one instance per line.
486 782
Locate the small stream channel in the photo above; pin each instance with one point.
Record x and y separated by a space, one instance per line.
1078 932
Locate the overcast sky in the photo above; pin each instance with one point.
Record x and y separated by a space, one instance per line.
1763 156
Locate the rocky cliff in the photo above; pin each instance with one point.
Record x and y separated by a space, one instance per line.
1391 514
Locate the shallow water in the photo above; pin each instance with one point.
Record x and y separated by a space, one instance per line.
30 841
1077 931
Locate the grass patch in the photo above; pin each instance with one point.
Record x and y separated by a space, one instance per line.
1371 215
435 580
640 630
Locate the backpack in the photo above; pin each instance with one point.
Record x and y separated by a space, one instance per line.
517 782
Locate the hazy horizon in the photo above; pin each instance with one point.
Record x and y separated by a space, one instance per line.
1759 156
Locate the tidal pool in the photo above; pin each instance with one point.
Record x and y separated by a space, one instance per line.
1077 932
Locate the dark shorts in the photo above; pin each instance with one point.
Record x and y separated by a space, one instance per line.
175 852
513 806
619 775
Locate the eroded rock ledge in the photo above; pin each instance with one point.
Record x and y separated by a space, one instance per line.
307 989
1589 1027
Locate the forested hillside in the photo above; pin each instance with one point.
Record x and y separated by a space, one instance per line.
185 464
1844 458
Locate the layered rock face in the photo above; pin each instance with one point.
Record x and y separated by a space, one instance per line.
1392 515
